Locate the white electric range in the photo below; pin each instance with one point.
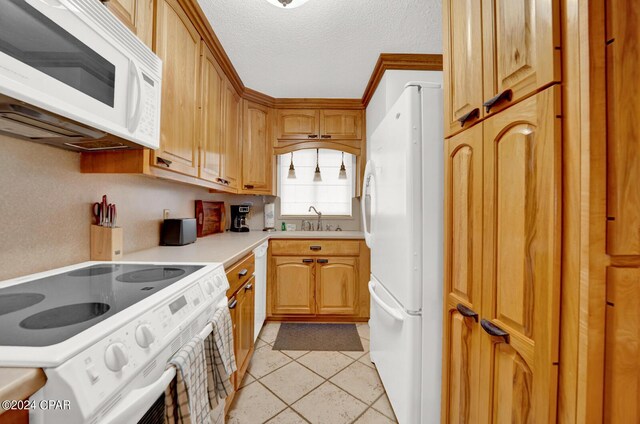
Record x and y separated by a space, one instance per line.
104 332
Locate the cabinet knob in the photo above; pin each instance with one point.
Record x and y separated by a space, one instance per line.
315 248
494 330
248 287
467 312
326 136
312 136
307 261
248 186
323 261
474 114
505 96
243 272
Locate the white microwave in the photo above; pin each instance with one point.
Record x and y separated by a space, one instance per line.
74 76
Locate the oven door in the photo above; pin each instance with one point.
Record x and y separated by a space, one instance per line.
52 58
144 403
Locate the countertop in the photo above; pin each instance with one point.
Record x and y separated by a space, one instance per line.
20 383
229 247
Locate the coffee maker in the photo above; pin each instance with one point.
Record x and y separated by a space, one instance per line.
239 218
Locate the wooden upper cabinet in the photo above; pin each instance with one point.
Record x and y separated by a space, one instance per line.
297 124
232 136
211 139
340 124
623 133
337 286
521 42
257 153
521 261
622 346
137 15
462 22
463 276
293 287
178 45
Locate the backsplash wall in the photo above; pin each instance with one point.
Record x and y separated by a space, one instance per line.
45 207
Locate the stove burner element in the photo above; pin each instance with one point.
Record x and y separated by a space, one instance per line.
17 301
64 315
93 271
150 275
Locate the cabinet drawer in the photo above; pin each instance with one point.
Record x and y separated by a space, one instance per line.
239 273
315 247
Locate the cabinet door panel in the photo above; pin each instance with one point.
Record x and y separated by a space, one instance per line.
246 303
463 275
521 273
623 134
257 159
211 148
519 46
298 124
462 61
293 286
337 286
232 136
341 124
622 348
178 45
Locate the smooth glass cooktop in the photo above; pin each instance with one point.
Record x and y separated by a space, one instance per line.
53 309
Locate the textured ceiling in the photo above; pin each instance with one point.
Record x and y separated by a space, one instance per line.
324 48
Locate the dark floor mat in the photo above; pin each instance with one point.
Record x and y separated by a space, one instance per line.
297 336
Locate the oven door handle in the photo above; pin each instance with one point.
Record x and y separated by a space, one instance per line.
129 409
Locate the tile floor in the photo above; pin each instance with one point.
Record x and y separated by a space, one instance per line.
310 387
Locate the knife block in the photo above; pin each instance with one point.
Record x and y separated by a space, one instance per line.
106 243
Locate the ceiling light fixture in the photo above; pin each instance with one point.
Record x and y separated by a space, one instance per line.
287 4
292 170
316 176
342 175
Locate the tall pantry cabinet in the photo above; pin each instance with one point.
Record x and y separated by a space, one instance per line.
502 211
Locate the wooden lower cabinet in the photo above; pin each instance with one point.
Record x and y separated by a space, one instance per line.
318 280
337 286
245 316
293 285
501 319
241 296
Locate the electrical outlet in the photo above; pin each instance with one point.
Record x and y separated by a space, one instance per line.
165 214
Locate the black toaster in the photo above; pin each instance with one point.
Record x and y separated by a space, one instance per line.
178 232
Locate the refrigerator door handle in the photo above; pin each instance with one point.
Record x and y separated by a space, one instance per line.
368 174
388 309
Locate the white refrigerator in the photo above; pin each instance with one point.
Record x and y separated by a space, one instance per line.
403 223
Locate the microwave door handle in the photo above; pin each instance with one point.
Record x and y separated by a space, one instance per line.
130 408
135 109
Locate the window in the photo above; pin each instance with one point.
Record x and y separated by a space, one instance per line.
331 196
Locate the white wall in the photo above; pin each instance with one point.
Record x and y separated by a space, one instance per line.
389 90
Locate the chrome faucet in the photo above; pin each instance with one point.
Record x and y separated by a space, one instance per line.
319 226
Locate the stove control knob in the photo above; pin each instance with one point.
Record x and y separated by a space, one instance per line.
210 288
144 336
115 357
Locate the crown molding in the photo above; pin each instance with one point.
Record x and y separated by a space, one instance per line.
396 61
399 61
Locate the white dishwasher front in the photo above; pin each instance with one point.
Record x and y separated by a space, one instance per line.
260 274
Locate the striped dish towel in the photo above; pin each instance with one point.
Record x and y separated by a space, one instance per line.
186 398
221 361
